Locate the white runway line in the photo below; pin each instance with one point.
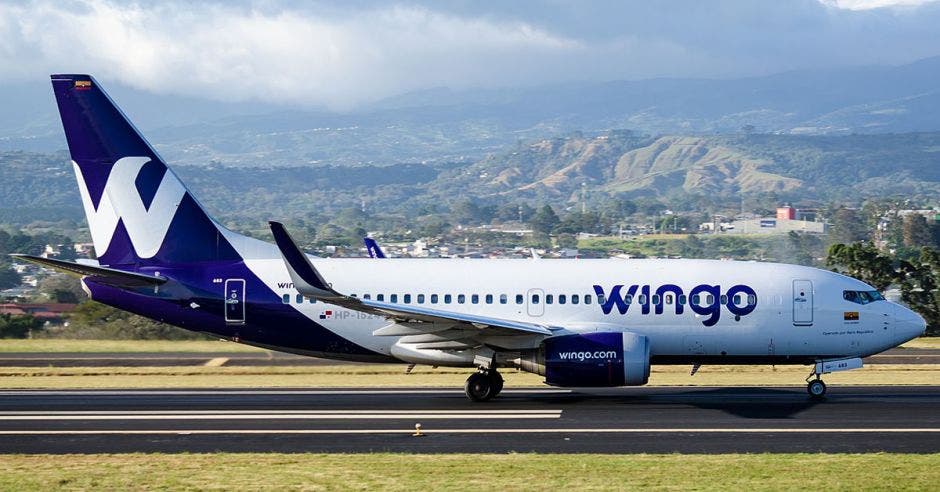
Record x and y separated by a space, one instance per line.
280 415
351 392
803 430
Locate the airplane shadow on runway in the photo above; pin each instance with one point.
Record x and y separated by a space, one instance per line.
749 403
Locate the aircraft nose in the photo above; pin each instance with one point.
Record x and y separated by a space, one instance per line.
909 324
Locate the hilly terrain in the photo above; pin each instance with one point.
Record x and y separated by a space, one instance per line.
444 125
794 166
626 164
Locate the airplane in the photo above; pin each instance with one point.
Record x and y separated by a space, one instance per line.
373 248
585 323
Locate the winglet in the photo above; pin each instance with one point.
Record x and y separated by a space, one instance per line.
373 247
307 280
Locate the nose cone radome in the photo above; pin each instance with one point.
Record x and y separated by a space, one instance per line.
910 325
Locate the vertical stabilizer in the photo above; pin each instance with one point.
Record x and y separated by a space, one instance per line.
139 212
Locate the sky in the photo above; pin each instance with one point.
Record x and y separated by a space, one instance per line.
344 54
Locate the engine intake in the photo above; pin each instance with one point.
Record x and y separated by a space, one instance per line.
591 359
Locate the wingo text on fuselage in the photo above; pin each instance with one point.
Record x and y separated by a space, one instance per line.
705 300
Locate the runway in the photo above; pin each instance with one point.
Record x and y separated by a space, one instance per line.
631 420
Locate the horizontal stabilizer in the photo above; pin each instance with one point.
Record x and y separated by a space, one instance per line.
105 275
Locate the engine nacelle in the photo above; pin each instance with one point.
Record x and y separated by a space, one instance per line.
591 359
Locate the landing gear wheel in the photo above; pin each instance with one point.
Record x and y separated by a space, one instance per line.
497 380
479 387
816 389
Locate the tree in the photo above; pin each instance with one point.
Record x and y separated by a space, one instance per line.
567 241
17 326
847 227
916 232
544 220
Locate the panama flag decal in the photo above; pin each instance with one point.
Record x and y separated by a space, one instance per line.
326 314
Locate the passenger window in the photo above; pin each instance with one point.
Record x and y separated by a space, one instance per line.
656 299
447 298
695 300
475 299
628 299
285 298
380 297
575 298
710 299
299 298
587 298
393 298
367 296
601 299
562 298
549 298
682 300
737 300
535 298
668 298
519 298
724 299
641 299
503 299
312 300
420 298
461 298
407 298
489 298
751 300
433 298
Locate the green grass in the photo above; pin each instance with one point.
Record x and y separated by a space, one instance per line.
51 345
409 472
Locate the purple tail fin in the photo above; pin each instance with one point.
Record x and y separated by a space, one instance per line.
139 213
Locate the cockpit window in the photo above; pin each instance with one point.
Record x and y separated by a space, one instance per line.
862 296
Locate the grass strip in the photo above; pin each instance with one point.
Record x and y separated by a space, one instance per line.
254 471
391 376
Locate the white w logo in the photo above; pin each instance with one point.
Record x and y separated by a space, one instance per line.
119 200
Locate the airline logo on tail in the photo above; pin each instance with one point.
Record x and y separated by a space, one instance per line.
147 227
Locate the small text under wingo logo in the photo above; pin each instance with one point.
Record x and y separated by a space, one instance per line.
704 299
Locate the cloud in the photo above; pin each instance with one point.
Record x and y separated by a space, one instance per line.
343 54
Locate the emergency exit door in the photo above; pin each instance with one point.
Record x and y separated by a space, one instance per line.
235 301
802 302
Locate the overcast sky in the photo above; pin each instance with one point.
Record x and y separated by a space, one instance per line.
345 53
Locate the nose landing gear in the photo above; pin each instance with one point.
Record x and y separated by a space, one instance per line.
816 388
483 385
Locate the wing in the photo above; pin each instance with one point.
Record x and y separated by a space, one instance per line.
407 319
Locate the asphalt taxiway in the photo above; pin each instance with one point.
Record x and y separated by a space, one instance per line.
650 420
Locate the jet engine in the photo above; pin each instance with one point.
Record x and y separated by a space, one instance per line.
590 359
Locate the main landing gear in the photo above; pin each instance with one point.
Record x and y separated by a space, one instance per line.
483 385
